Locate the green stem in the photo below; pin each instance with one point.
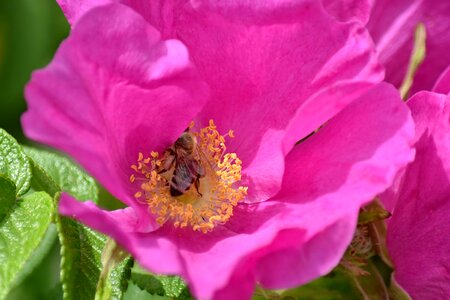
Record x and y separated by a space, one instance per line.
417 57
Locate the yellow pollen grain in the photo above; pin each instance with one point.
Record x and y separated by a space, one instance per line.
219 188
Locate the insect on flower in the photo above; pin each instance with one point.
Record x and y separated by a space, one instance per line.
183 164
199 159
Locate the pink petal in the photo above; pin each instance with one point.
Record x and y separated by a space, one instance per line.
442 85
301 233
392 26
417 236
355 142
321 107
349 10
117 88
74 9
390 196
297 243
161 14
265 61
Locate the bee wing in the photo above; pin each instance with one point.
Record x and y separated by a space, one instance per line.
193 166
197 167
202 165
183 175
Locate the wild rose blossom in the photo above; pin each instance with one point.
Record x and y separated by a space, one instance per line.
118 94
417 238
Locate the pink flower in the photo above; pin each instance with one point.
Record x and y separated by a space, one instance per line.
392 25
349 10
417 238
263 210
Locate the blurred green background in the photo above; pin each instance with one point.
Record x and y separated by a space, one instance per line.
30 32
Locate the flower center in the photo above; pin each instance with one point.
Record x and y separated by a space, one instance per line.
193 183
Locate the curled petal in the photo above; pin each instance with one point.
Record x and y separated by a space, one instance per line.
442 85
349 10
74 9
417 237
121 225
161 14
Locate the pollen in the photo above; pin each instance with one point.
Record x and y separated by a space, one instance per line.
205 204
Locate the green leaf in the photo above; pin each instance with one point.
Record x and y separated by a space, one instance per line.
7 196
38 254
170 286
173 285
20 234
14 163
135 293
43 282
41 181
54 172
81 247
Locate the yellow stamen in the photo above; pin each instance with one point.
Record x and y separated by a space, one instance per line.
217 194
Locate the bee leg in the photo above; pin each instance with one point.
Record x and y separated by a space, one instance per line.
197 185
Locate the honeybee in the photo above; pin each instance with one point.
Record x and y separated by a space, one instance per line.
187 167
